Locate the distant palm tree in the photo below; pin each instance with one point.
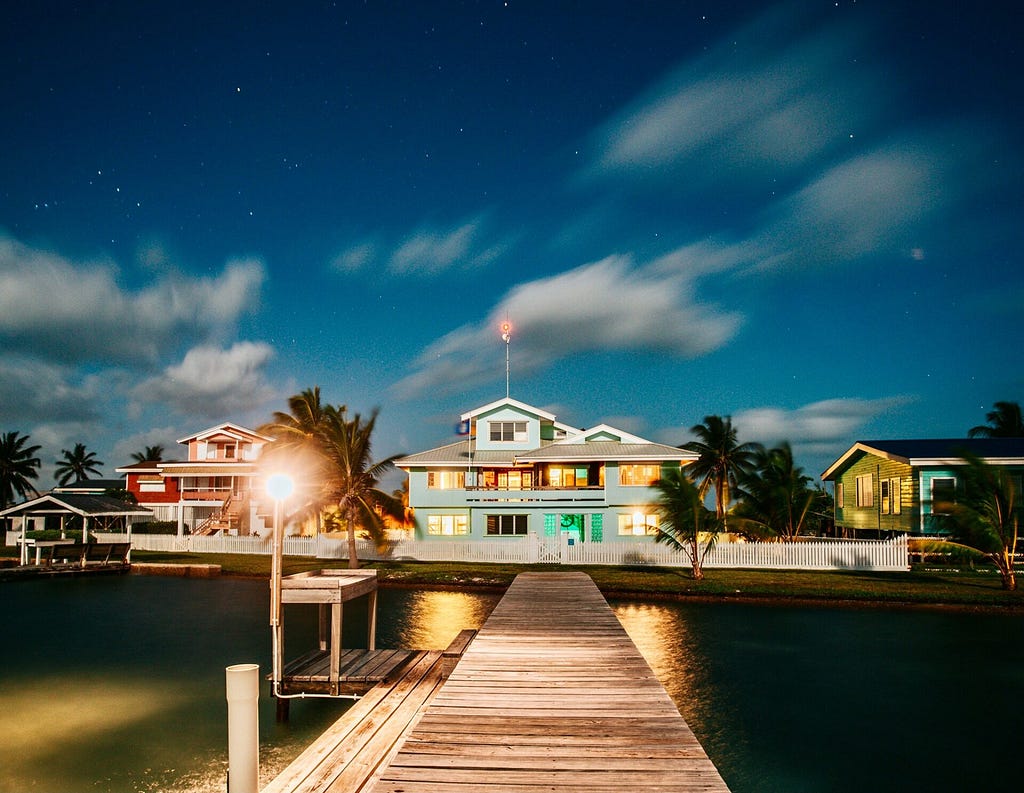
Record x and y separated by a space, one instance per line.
76 465
18 464
150 454
352 477
721 462
1004 421
775 498
685 523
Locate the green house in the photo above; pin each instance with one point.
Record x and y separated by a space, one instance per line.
896 487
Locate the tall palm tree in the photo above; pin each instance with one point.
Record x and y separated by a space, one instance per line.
685 523
722 460
150 454
18 464
1004 421
77 465
298 447
352 477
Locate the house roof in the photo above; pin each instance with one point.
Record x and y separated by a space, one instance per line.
934 451
209 468
94 486
227 428
460 454
78 504
508 401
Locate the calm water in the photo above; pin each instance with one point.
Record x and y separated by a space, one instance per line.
117 684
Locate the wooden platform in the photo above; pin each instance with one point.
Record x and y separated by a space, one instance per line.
358 671
552 695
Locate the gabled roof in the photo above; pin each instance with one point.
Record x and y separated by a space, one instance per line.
935 451
90 486
508 402
86 506
227 428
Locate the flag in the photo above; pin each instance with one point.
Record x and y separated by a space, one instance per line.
463 427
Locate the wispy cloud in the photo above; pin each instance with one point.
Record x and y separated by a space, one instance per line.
57 309
427 251
817 427
213 382
611 304
32 391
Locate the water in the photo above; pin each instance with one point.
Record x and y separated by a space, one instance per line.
117 684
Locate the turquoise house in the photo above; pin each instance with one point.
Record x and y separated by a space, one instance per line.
517 470
899 486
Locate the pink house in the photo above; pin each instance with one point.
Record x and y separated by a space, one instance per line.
214 489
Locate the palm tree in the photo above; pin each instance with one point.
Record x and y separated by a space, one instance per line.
150 454
298 446
76 465
775 498
685 523
1004 421
18 464
986 516
351 477
722 459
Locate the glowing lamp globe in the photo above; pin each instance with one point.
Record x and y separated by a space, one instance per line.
280 486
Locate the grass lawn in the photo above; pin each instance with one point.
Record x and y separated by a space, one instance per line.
922 585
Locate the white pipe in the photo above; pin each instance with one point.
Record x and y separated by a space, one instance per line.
243 693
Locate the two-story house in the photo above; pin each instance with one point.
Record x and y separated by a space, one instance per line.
212 489
900 486
519 471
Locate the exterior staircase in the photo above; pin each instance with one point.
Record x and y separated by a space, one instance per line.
228 517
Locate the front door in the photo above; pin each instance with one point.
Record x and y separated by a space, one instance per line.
572 527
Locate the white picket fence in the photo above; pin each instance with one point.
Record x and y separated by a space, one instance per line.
804 555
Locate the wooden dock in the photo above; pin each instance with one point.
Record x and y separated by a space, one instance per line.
551 695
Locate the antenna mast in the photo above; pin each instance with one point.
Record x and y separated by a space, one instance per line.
506 336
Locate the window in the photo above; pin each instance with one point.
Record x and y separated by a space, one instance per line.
446 480
561 476
865 491
508 431
883 495
637 524
895 496
151 486
943 494
447 525
639 474
504 525
840 494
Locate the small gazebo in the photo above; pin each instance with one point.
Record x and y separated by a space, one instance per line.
79 512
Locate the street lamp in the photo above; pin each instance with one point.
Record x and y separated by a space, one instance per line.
279 487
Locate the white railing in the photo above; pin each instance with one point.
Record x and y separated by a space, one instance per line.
804 555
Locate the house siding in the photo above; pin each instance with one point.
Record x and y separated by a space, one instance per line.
850 517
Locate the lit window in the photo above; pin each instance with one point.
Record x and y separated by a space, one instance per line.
447 525
559 476
446 480
840 495
943 494
643 474
503 525
638 524
865 491
513 431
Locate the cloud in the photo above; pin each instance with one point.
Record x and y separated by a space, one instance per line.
57 309
32 391
213 382
771 97
428 251
813 428
606 305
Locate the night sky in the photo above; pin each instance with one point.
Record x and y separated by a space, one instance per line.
807 216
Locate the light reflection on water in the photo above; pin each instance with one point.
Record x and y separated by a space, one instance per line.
117 684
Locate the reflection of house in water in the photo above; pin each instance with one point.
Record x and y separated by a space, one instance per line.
213 490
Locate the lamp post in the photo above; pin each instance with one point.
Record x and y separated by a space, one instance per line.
279 487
